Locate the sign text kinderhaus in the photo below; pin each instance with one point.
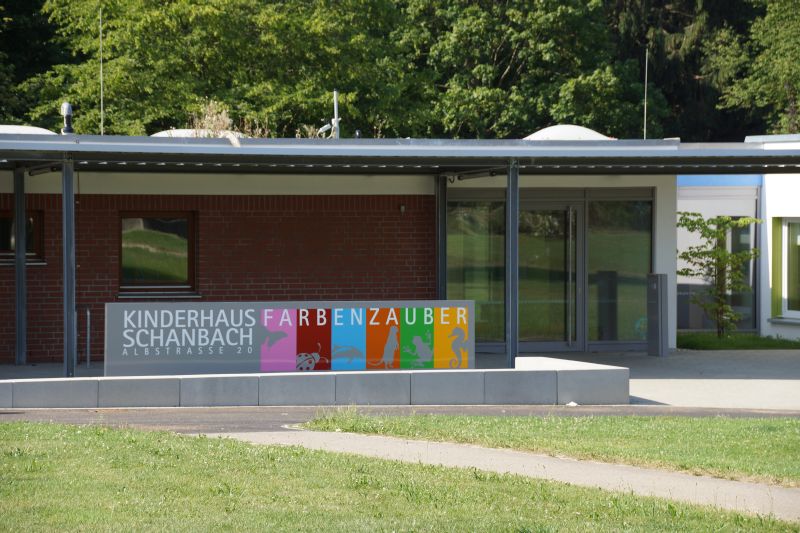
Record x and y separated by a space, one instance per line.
222 338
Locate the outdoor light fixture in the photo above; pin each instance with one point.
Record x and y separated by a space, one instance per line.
66 112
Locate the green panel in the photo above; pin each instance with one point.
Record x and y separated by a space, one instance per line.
416 339
793 266
777 266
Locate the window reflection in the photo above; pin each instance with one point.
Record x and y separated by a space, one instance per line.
475 263
155 250
619 259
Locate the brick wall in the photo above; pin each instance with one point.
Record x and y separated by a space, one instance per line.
248 248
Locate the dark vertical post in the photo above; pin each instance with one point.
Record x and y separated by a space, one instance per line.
512 263
68 238
441 237
20 274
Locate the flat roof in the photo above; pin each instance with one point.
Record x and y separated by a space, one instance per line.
394 156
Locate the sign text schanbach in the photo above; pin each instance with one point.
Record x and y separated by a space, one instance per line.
176 338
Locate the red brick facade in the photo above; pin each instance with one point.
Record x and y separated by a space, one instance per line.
268 248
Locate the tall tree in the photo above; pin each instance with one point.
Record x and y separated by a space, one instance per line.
675 32
505 69
275 62
759 71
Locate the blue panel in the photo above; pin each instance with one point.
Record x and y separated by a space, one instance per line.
720 180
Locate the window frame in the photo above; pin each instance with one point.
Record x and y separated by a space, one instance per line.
149 287
785 311
34 256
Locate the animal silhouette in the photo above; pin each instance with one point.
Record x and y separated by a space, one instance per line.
308 361
392 342
458 346
274 336
422 351
347 353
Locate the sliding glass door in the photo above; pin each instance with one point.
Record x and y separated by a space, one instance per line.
550 270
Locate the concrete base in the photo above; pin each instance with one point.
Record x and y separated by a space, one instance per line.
536 381
582 383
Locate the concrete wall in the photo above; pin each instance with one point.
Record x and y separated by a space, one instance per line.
584 384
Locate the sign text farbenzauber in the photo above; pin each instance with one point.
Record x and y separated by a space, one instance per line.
217 337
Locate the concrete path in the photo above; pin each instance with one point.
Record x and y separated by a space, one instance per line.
751 498
742 379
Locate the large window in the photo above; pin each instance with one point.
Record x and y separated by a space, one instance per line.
619 258
791 268
33 237
476 263
157 251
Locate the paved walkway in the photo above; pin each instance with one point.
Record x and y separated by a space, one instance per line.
751 498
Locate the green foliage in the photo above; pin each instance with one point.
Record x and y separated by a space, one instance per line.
701 340
506 69
712 262
422 68
761 71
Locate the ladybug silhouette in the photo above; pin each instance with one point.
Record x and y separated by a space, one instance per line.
308 361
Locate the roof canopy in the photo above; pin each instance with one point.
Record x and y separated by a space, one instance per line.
394 156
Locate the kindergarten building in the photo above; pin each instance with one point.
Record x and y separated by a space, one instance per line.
552 239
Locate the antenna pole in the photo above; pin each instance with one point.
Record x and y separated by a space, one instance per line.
335 114
646 61
102 108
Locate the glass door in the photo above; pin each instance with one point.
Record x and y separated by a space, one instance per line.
550 277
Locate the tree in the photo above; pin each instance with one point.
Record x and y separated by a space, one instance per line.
712 262
759 72
507 69
274 62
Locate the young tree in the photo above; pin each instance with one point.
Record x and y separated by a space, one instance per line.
721 268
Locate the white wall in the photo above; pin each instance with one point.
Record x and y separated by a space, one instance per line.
781 199
712 202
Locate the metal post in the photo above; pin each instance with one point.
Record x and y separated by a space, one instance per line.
68 261
88 337
441 237
20 274
512 263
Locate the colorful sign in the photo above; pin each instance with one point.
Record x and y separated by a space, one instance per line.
215 337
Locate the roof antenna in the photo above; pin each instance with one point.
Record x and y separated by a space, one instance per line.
66 112
335 132
646 60
102 109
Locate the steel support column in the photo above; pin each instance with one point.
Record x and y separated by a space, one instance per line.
20 274
68 260
441 237
512 263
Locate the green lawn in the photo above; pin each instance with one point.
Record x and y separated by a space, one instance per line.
68 478
703 340
736 448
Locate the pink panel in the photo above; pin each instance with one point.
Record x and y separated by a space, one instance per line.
279 351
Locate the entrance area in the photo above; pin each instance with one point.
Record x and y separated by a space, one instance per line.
584 256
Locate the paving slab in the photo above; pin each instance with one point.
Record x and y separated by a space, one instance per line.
751 498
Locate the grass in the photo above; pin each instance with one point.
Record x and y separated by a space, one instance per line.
735 448
703 340
55 477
